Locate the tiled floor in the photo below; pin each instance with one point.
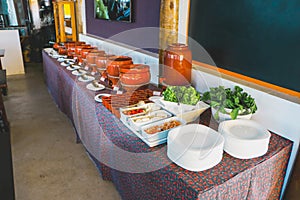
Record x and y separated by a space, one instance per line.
48 164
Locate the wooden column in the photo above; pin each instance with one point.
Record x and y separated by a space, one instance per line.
60 25
169 14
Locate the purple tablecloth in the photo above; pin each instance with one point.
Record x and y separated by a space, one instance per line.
140 172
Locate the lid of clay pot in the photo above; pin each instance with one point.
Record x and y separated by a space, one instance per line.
105 56
96 52
120 58
134 68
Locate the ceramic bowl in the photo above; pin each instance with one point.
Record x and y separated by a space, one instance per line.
223 117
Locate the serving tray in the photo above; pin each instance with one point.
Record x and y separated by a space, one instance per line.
150 144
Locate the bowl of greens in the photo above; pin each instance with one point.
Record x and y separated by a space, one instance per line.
227 103
180 99
183 102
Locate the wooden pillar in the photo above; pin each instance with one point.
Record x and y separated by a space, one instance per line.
73 22
55 10
59 18
61 15
169 14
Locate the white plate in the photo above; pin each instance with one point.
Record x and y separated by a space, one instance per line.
91 86
244 139
98 97
65 64
78 73
88 78
154 98
195 147
73 67
56 56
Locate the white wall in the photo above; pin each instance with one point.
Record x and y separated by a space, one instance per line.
13 58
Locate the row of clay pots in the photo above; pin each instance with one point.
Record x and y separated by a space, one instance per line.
128 73
117 67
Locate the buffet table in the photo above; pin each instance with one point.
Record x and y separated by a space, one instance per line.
141 172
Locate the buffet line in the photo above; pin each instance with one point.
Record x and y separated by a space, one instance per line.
172 114
156 116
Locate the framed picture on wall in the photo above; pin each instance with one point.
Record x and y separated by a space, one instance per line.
114 10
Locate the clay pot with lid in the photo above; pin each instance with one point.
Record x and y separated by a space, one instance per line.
135 75
177 67
85 51
101 61
73 43
62 50
78 48
115 63
56 46
71 48
91 56
71 54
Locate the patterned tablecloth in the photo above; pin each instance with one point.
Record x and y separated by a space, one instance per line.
140 172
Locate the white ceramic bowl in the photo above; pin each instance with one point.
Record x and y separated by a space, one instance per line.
244 139
187 112
195 147
223 117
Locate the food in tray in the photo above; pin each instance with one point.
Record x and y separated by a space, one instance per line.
137 109
163 127
134 111
150 117
140 103
182 94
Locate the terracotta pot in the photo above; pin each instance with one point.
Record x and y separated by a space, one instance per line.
85 51
72 43
137 74
101 61
93 68
78 48
62 50
56 46
92 55
71 54
177 66
114 63
71 48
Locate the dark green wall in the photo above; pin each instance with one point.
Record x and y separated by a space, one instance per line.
257 38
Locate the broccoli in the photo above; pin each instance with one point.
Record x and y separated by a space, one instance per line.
183 94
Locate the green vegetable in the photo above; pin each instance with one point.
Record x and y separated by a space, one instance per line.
182 94
240 102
